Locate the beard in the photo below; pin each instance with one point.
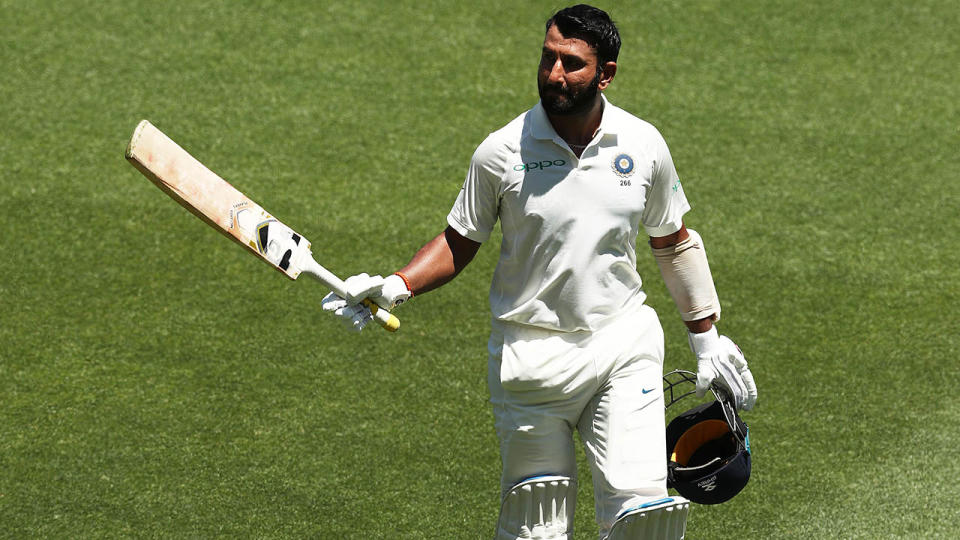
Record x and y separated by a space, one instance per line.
568 101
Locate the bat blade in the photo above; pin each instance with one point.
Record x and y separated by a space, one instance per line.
226 209
207 195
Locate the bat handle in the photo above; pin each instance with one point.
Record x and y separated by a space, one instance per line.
384 318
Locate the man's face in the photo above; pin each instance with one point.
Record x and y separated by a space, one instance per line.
568 76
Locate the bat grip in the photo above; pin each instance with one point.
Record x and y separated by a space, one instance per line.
384 318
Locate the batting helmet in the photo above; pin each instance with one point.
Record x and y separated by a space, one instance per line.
708 446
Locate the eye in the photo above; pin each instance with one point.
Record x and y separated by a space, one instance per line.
573 63
546 58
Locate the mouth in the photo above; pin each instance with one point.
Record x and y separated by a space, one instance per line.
553 91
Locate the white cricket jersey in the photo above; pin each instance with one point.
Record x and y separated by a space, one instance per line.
570 225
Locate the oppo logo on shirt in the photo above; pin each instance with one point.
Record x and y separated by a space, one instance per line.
534 165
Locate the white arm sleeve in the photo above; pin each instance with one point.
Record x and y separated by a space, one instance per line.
687 275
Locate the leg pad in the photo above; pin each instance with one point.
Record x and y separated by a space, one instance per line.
540 507
663 519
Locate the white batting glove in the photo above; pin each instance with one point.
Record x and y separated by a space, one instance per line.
393 293
720 361
355 317
388 293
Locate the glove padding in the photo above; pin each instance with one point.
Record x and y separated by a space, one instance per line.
720 361
388 292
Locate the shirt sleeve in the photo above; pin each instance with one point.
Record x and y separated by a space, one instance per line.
666 203
476 209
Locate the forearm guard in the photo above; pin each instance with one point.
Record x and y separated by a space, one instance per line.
687 275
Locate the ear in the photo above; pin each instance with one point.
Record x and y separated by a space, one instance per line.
606 75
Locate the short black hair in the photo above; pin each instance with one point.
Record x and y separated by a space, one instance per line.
592 25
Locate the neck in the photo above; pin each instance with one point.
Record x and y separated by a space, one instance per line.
578 129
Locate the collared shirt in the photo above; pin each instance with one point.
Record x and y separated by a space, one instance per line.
569 224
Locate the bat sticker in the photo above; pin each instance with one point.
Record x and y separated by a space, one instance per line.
263 236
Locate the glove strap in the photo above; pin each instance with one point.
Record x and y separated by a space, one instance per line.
405 282
705 341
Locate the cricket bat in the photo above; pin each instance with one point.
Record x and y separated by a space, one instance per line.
223 207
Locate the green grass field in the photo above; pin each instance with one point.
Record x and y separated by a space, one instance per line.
156 381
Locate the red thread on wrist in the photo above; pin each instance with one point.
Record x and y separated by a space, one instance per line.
405 282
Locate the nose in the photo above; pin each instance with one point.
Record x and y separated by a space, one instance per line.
556 74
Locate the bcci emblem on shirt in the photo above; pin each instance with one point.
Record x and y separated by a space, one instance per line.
623 165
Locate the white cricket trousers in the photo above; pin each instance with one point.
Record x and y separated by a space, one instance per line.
607 384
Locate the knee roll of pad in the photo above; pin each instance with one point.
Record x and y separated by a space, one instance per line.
663 519
540 507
